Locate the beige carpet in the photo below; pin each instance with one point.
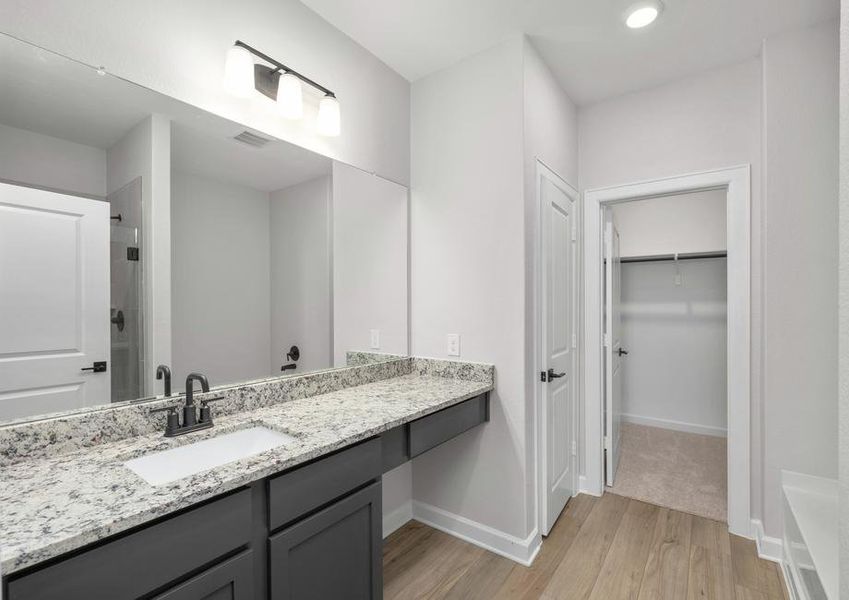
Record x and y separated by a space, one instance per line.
684 471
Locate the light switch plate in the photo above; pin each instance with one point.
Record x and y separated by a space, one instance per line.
375 339
453 344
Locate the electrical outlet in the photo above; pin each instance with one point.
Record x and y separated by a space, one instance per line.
453 342
375 339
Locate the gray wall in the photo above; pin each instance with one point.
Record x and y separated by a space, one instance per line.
800 245
300 275
369 263
220 280
674 375
45 161
681 223
468 270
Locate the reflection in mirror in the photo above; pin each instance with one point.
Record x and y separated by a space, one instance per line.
137 231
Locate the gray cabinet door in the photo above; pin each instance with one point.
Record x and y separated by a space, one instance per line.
230 580
334 554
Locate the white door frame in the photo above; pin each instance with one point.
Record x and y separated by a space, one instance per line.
540 348
736 181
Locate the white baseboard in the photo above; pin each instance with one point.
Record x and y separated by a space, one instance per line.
675 425
769 548
397 518
585 488
522 551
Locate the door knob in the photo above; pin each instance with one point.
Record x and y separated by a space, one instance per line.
622 351
552 375
118 318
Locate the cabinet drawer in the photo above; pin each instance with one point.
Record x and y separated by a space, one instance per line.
306 488
229 580
396 447
432 430
150 558
334 554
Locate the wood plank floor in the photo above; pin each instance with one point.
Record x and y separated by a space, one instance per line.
606 548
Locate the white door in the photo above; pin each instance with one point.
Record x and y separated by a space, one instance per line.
612 346
559 345
54 301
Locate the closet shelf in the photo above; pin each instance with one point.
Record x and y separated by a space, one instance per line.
681 256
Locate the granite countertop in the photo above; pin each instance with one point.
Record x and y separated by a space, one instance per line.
55 504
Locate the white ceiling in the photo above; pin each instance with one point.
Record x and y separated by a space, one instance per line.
52 95
207 148
584 42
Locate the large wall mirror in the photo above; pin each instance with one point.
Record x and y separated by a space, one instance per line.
138 231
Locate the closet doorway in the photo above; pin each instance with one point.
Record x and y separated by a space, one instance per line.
665 352
649 277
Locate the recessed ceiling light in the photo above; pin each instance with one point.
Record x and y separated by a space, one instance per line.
642 14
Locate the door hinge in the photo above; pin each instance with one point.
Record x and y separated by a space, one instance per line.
606 340
574 340
574 448
607 442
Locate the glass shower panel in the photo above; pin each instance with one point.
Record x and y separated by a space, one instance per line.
126 289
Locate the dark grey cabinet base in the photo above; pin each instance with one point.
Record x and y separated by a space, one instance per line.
313 532
335 553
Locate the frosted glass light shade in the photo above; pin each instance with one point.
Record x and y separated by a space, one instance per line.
329 118
290 98
239 72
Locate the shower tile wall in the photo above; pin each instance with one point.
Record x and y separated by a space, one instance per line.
127 345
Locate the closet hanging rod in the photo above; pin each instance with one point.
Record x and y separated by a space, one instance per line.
670 257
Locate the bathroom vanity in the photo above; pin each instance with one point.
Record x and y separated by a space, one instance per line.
299 521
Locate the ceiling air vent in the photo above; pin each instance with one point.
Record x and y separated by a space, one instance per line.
251 139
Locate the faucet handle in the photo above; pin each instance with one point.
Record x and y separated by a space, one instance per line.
173 422
205 411
204 401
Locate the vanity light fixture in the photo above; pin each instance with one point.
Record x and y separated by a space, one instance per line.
329 120
280 83
643 13
290 97
239 72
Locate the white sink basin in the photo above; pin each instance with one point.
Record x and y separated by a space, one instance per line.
170 465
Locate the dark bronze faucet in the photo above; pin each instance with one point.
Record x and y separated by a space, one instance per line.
190 422
190 416
163 372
